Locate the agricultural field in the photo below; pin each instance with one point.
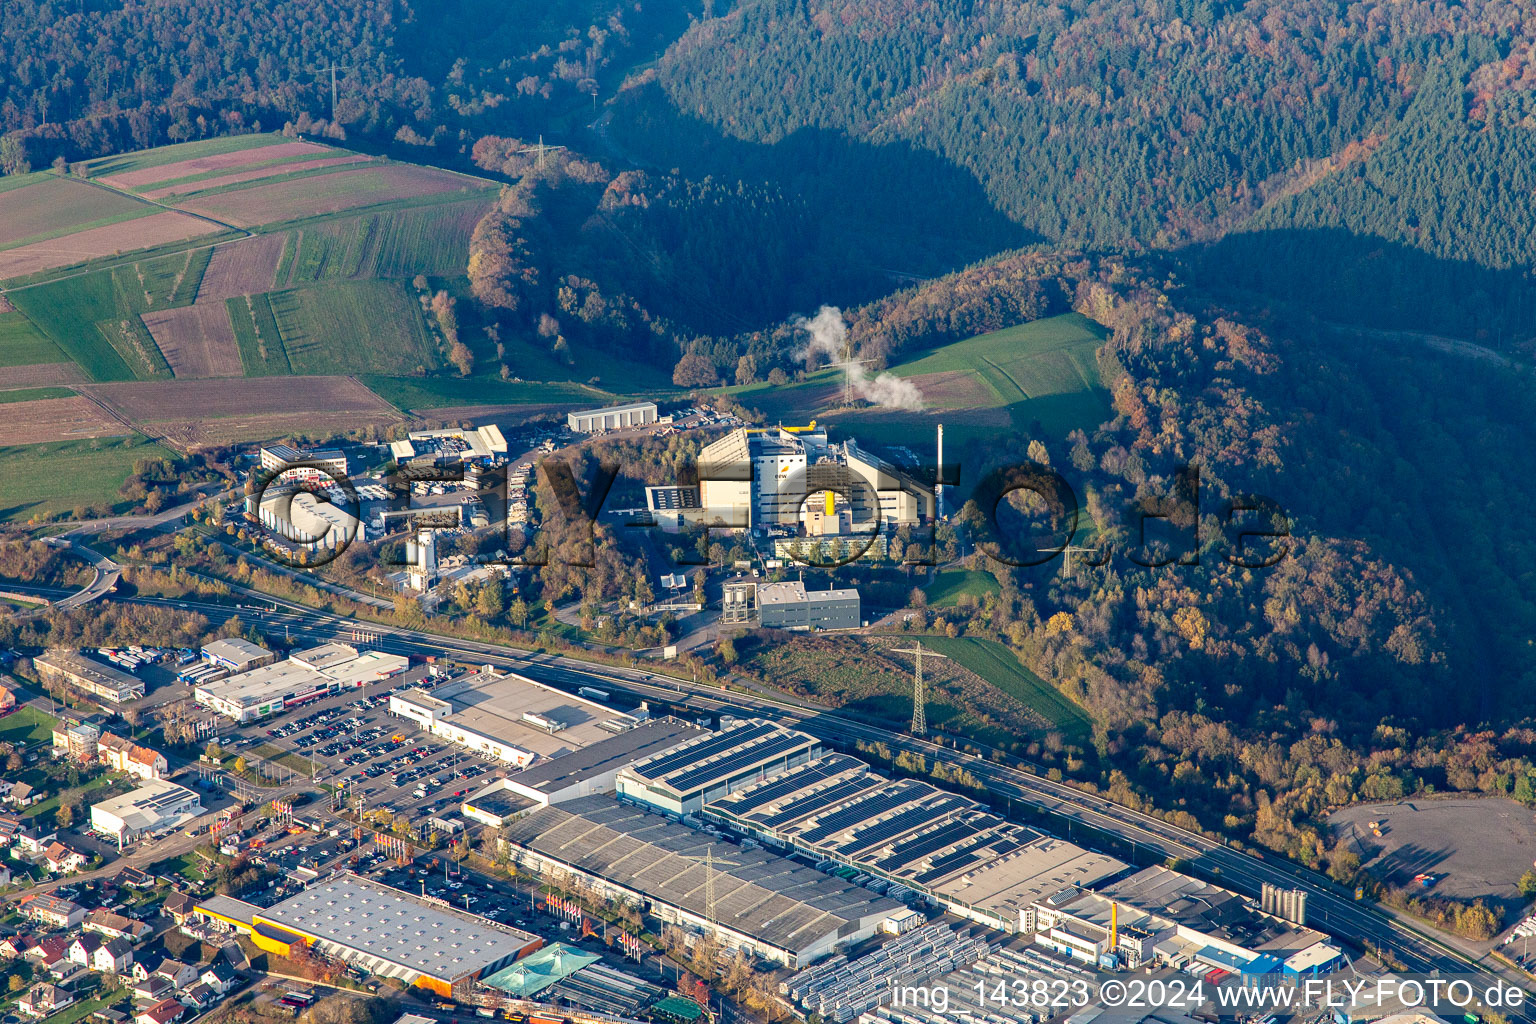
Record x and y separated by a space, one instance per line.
160 228
251 204
46 479
353 327
128 170
22 344
37 415
197 340
441 393
96 317
51 207
1040 377
999 666
225 410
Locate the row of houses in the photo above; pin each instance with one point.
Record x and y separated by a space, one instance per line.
87 744
105 941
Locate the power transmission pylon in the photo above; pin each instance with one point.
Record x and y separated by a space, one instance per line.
919 693
1074 549
333 69
540 149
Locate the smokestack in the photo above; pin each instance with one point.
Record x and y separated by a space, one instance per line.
938 486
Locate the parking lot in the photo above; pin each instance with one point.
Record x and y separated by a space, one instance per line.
384 760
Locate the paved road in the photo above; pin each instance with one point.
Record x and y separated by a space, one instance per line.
1329 906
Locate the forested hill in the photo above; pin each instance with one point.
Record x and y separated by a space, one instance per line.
1107 123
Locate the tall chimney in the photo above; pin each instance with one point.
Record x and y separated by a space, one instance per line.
938 486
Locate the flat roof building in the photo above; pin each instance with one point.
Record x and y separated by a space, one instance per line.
612 417
316 464
510 716
157 806
681 780
788 605
237 654
89 676
304 676
386 932
594 769
944 846
762 903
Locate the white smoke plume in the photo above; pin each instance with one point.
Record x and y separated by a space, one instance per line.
829 338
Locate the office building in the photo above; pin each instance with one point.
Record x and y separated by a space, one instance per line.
319 465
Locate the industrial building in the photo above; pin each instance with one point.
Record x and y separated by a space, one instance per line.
314 518
788 605
681 780
384 931
511 717
450 445
592 769
613 417
670 507
304 676
761 478
88 676
747 899
914 837
157 806
1159 914
291 464
237 654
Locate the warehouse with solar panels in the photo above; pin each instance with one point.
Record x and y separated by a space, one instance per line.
912 837
747 899
681 780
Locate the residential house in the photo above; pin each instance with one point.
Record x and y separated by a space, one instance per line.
133 878
31 841
220 977
52 910
199 997
178 907
7 700
10 824
5 876
83 947
63 860
13 946
23 794
177 973
107 1015
6 785
44 1000
114 956
113 925
163 1012
49 952
152 989
126 756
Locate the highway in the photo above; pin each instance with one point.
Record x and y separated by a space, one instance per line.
1329 907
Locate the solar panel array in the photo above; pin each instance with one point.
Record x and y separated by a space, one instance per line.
659 766
905 830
